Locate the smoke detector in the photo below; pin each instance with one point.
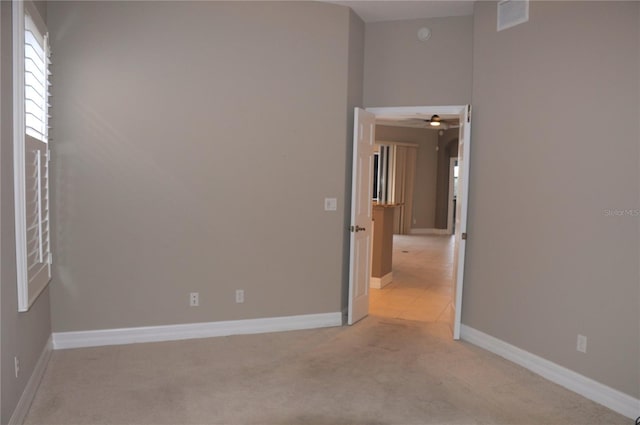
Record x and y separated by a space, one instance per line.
424 34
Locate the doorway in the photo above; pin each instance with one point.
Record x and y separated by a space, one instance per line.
457 243
418 284
422 285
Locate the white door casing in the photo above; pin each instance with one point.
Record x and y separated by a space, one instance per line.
361 225
462 202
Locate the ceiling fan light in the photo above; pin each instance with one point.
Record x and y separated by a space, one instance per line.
435 121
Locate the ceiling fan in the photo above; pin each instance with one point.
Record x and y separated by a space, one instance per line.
434 123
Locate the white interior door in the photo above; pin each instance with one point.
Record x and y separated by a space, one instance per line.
461 217
361 225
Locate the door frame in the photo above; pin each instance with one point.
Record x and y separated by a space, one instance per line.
450 206
461 111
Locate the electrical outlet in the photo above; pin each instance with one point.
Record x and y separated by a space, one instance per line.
330 204
239 296
582 344
16 365
194 299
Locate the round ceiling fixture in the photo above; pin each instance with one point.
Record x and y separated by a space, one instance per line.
424 34
435 121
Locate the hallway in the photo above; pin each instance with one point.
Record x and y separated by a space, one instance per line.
421 287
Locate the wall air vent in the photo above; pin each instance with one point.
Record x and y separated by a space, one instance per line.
512 13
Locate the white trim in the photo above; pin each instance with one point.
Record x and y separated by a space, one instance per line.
586 387
20 11
381 282
462 206
22 408
97 338
426 110
391 173
391 142
422 231
19 185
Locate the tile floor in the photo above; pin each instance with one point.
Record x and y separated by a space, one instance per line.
421 287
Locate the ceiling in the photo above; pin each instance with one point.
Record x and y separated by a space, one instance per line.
390 10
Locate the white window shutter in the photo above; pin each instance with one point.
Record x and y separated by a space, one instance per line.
38 247
31 153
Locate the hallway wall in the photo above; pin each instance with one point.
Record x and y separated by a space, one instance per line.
447 149
424 191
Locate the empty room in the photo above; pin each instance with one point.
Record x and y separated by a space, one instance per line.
183 232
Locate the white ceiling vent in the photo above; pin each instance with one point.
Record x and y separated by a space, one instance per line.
512 13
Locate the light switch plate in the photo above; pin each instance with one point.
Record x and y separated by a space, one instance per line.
330 204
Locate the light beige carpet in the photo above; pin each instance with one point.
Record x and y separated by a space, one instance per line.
380 371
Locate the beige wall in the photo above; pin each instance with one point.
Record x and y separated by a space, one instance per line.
400 70
424 191
21 334
447 149
543 175
195 143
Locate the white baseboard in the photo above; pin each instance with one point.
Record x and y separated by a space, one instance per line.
429 232
62 340
381 282
586 387
22 408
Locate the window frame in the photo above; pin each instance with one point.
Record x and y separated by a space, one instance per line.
20 9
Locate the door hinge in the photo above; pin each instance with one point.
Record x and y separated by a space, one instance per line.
463 236
468 113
